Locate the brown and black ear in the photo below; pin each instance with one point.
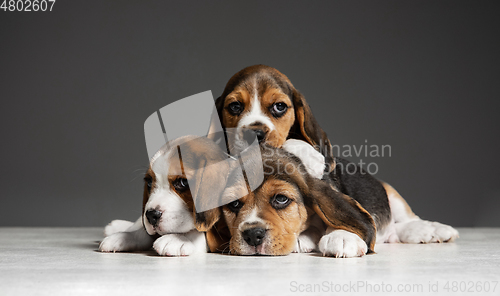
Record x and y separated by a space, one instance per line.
210 183
218 237
207 167
340 211
204 221
306 127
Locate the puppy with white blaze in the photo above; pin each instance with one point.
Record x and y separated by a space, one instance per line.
167 223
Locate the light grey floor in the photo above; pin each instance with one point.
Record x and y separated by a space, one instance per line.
64 261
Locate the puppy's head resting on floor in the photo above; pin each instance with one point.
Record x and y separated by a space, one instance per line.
262 99
168 205
269 219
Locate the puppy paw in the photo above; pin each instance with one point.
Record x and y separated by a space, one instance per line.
313 161
422 232
117 226
445 233
173 245
305 244
118 242
342 244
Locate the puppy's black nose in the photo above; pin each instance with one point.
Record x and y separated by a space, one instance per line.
153 216
254 236
260 134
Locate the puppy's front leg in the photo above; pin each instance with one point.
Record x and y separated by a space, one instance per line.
134 238
308 239
116 226
342 244
181 244
313 161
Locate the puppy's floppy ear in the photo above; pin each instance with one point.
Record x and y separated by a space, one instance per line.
206 167
340 211
213 182
218 237
204 221
209 181
307 128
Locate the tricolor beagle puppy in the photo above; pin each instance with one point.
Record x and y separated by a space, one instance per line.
264 100
167 223
291 210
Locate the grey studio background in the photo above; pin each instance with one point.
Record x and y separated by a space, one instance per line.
77 84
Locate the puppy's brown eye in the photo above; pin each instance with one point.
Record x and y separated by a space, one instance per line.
280 201
278 109
180 184
235 108
235 206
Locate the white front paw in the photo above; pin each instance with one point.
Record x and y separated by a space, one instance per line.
118 242
305 244
174 245
116 226
445 233
422 231
342 244
313 161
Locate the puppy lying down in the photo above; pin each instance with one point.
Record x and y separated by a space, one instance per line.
167 223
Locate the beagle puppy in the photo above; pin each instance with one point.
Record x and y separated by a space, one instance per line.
167 223
291 211
262 99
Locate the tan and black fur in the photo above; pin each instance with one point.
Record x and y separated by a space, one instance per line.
307 196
